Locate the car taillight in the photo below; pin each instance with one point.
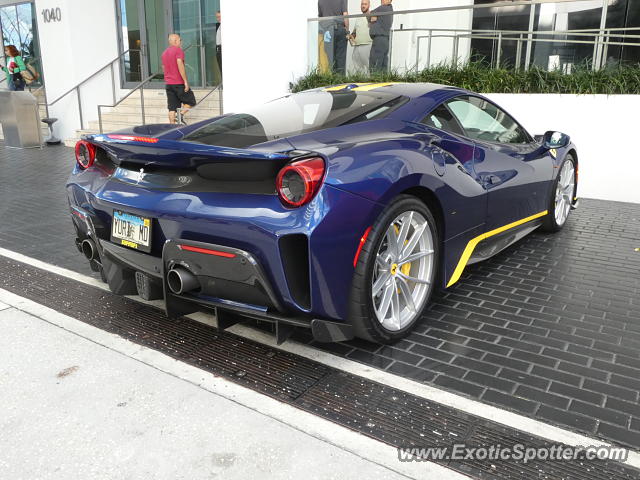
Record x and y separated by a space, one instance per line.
85 154
298 182
132 138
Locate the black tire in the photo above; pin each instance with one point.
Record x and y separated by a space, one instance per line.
549 223
361 309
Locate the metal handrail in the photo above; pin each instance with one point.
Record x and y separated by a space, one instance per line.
600 37
109 65
577 33
596 39
500 38
93 75
497 5
90 77
217 87
140 86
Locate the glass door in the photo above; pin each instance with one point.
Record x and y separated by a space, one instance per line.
146 25
145 28
131 22
187 23
212 54
157 23
196 21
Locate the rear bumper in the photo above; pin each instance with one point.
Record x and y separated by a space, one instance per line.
231 281
306 253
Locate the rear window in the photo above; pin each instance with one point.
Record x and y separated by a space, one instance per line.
295 114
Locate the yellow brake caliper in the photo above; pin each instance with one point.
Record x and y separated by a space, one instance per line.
406 268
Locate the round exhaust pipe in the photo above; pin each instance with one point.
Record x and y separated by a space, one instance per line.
89 249
180 280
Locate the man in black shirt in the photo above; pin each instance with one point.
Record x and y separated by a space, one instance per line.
380 30
334 32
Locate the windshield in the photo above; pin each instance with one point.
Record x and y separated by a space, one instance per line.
295 114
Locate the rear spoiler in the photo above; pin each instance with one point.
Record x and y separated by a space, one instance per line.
159 152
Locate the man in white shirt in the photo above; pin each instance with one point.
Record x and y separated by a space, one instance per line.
361 40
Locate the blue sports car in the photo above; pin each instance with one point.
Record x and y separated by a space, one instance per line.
338 209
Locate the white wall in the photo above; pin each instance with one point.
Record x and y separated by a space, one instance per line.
602 129
264 48
84 41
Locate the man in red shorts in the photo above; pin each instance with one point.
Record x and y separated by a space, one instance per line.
179 94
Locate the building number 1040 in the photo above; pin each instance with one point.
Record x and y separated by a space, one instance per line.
52 15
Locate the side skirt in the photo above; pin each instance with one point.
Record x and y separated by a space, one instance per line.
491 246
509 229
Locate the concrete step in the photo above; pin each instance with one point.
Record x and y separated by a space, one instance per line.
71 142
159 104
161 93
129 112
134 120
154 115
160 98
113 125
155 107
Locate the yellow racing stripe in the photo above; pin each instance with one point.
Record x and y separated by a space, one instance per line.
361 87
466 255
373 86
343 86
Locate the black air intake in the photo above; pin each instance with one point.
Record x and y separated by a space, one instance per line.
294 250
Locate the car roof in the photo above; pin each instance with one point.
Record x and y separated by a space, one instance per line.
412 90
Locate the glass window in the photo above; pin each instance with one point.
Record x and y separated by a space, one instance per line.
441 118
295 114
18 28
510 18
482 120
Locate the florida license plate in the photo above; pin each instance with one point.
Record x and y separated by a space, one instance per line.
131 231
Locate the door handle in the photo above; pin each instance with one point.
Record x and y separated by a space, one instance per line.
492 179
435 142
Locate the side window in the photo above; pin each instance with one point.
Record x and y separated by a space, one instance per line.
482 120
441 118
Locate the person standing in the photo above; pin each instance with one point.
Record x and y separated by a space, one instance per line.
219 43
361 40
14 66
179 93
334 33
380 31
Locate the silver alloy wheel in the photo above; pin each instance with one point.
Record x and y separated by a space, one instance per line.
564 192
403 270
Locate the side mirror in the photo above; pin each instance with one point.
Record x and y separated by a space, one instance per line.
553 139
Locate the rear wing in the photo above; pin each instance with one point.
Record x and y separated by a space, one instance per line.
148 151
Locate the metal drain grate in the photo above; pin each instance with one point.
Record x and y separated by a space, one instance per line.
378 411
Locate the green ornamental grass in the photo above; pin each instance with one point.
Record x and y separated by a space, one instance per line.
478 77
